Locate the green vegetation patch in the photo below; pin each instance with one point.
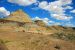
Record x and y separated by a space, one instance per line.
63 36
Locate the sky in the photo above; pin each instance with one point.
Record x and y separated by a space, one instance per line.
52 12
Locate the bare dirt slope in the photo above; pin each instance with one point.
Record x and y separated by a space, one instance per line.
33 41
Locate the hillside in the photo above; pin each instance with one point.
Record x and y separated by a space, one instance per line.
19 16
55 28
19 32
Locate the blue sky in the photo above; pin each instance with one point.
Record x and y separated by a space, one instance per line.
52 12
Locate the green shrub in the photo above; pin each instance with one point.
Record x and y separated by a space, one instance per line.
3 41
63 36
70 37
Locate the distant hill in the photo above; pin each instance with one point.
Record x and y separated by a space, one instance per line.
55 28
40 22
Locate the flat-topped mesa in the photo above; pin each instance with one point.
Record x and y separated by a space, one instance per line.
19 16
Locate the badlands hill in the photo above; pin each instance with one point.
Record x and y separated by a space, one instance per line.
19 32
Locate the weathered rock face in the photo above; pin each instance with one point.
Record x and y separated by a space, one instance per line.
40 23
19 16
16 21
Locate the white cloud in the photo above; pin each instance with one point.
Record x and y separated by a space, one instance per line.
36 18
69 24
57 7
23 2
68 7
51 21
52 6
57 23
4 12
61 17
43 4
73 11
65 2
46 20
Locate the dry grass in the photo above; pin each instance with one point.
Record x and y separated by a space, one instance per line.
33 41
